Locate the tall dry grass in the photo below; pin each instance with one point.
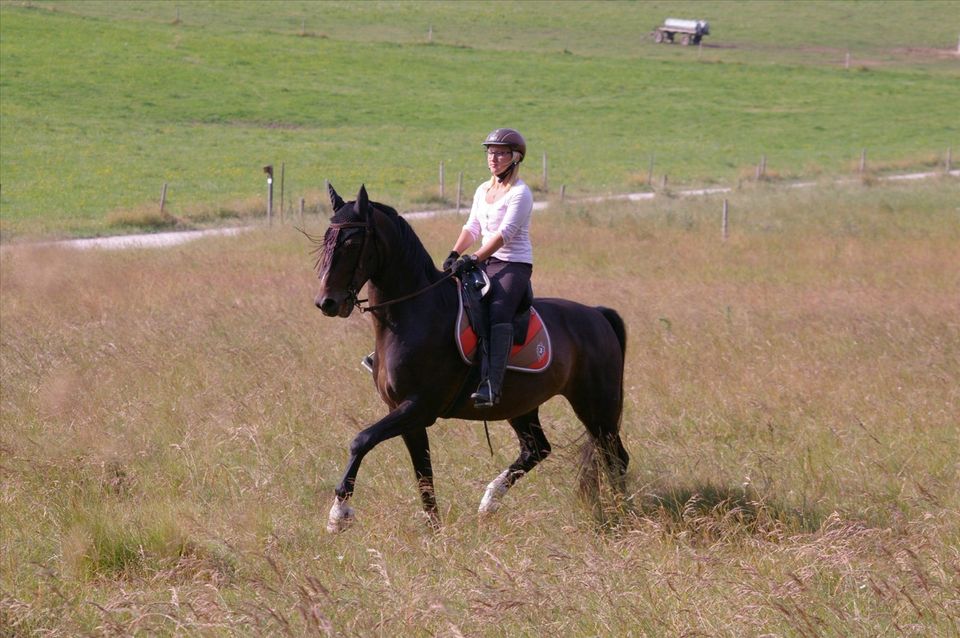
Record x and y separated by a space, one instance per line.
173 422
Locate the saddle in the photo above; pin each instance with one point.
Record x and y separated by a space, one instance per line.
531 350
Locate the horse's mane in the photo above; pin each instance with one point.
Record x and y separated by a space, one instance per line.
412 250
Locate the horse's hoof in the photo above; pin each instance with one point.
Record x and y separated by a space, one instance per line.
490 502
341 516
431 520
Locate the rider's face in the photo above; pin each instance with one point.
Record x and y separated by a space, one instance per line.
498 158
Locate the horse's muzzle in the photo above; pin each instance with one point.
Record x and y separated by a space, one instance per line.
335 305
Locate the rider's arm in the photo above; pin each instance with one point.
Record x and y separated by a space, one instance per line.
489 247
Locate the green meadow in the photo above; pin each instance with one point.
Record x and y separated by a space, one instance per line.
104 102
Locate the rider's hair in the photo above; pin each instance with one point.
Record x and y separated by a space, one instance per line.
513 174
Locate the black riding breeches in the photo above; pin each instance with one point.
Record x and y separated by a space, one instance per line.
509 283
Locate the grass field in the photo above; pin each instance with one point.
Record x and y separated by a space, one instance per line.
173 423
104 102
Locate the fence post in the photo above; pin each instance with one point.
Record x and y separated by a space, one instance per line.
863 161
302 203
163 191
949 162
563 192
761 167
724 224
650 172
282 167
441 181
459 189
545 187
268 169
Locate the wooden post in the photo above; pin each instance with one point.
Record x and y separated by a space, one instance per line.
663 182
724 224
268 169
758 173
441 181
846 63
762 168
459 189
302 203
650 171
563 192
545 187
430 34
863 161
163 192
948 163
282 166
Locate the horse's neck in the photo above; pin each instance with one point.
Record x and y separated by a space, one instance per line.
397 281
430 308
408 272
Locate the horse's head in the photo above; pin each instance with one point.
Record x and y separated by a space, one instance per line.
343 265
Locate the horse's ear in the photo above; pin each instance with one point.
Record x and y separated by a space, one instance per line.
362 200
335 200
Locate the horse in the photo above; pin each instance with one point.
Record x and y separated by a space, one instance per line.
420 375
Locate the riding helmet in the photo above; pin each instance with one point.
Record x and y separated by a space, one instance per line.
507 137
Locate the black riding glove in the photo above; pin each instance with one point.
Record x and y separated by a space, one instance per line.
450 260
465 264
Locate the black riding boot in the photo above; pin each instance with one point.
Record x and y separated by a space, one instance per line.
501 340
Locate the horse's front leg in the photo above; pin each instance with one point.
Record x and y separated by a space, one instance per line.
418 444
405 418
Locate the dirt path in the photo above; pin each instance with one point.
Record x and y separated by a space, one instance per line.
161 240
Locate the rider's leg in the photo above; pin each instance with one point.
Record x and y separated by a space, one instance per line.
509 283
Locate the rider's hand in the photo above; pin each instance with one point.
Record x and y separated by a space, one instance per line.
450 260
465 264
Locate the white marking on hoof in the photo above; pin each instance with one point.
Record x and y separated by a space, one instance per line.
341 516
490 502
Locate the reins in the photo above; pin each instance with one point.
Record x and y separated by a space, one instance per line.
384 304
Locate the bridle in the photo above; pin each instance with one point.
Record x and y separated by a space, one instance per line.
359 278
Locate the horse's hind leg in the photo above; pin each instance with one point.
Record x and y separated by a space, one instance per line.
534 448
601 417
418 444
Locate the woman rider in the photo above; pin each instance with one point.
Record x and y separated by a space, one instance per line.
500 218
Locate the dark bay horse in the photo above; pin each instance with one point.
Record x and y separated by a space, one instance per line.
418 370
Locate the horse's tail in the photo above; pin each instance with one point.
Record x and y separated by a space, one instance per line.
616 322
620 329
611 456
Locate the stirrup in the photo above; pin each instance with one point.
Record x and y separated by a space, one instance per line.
483 399
367 362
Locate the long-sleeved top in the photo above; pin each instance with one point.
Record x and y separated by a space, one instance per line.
510 215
